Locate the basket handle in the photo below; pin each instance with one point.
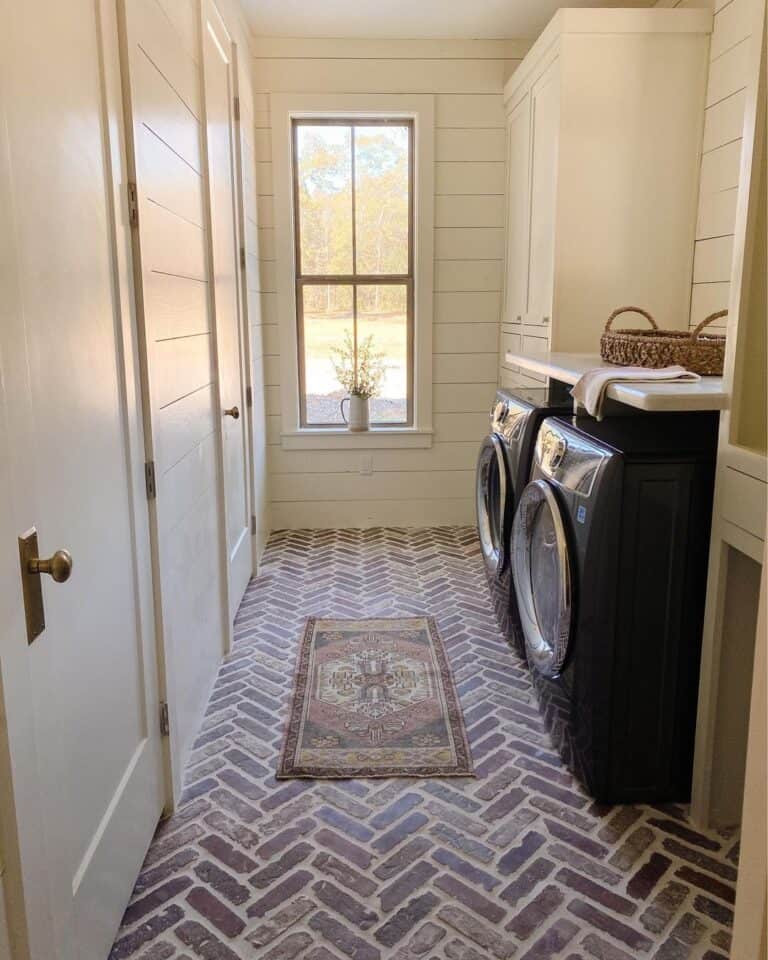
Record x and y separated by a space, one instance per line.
713 316
639 310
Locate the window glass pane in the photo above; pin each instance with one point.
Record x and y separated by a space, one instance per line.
327 324
382 315
324 171
381 199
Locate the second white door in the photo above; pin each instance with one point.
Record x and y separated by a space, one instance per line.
219 54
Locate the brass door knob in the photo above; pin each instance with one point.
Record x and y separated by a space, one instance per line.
59 566
232 412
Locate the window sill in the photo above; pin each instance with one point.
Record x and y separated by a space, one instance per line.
378 438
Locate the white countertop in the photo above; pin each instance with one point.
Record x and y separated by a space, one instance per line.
707 394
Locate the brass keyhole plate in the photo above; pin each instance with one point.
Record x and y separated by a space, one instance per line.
31 586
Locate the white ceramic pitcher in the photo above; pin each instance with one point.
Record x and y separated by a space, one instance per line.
358 413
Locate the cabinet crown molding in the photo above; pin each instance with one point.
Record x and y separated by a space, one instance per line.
571 20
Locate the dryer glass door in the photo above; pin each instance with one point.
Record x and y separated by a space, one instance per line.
542 575
491 490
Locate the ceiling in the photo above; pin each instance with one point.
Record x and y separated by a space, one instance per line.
414 19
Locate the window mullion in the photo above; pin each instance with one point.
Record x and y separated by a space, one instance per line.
354 203
354 325
354 252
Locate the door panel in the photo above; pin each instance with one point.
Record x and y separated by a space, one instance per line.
181 363
545 108
171 182
510 341
165 111
81 701
171 245
518 194
220 81
191 478
534 346
161 81
179 305
164 42
180 427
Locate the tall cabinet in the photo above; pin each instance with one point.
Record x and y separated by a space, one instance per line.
604 135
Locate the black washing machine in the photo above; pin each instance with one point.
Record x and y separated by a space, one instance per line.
503 465
609 557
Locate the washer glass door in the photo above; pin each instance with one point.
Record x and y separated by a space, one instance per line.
542 576
491 491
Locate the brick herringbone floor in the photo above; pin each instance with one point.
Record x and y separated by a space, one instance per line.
518 862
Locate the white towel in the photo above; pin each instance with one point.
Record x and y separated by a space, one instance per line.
589 390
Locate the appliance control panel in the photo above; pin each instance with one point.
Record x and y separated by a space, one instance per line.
568 458
508 415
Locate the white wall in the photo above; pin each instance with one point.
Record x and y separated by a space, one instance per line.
324 488
721 151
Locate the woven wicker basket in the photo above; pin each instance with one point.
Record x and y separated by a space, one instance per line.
663 348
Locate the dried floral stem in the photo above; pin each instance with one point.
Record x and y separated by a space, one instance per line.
358 367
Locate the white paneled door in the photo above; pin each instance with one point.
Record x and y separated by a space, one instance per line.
81 774
518 224
545 119
183 409
220 79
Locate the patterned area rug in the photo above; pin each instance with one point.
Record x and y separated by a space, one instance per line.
374 698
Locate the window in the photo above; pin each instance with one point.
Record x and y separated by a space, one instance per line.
298 334
354 276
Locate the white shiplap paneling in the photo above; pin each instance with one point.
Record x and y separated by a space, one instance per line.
469 210
474 243
325 488
717 213
733 22
721 158
332 75
724 121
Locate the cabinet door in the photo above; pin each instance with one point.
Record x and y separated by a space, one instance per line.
518 151
510 340
545 118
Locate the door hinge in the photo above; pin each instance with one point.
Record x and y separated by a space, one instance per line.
242 257
253 524
236 109
133 205
149 478
165 723
249 397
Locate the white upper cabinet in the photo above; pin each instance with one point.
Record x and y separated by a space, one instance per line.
518 141
604 134
545 121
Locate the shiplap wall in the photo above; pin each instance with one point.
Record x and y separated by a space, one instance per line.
325 488
721 151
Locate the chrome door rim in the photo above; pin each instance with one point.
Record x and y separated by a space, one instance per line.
496 556
545 657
